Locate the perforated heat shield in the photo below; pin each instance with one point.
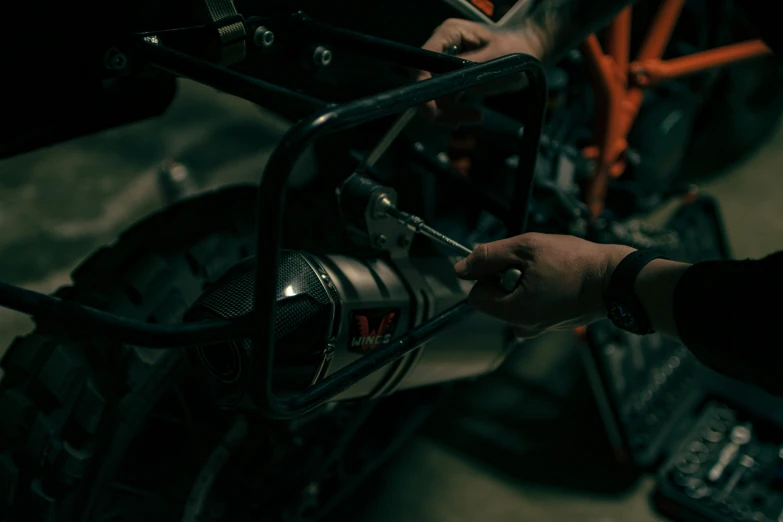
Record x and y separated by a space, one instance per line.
307 306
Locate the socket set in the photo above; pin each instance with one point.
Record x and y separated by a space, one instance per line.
728 469
645 385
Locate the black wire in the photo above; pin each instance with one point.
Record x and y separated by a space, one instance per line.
80 319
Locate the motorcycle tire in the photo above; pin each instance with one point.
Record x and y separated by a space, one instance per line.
741 114
70 406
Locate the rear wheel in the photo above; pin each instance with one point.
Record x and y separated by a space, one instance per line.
71 406
97 431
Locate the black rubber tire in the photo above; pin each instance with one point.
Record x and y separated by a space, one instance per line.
741 115
68 407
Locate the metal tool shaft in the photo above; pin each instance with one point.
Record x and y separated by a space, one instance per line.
382 146
395 130
509 280
416 224
440 238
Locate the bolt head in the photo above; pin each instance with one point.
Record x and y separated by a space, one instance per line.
115 60
322 56
404 241
381 240
263 37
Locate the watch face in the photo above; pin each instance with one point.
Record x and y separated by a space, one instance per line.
621 317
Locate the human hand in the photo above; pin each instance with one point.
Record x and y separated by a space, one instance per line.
478 43
562 285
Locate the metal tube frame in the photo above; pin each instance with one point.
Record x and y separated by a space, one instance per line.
620 81
330 119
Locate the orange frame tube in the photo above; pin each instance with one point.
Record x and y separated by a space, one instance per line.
619 84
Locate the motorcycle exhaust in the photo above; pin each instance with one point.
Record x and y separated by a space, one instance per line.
331 311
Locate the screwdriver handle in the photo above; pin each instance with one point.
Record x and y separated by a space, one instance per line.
510 279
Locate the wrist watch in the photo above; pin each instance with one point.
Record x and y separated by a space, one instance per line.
624 308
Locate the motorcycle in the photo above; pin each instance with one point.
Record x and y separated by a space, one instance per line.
313 347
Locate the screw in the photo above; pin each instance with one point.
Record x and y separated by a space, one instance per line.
380 240
115 60
443 157
263 37
418 146
404 241
322 56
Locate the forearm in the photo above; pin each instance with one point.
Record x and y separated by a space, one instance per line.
562 25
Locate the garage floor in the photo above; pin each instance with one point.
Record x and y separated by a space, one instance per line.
58 205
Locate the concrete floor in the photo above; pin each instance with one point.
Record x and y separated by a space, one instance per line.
59 204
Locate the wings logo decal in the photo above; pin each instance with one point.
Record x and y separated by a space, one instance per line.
372 328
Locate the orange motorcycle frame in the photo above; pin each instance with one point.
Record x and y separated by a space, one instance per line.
620 83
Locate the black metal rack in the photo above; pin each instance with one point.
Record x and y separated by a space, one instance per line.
320 119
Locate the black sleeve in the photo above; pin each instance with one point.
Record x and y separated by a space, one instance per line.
730 315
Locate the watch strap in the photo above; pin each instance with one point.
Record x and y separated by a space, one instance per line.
620 290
